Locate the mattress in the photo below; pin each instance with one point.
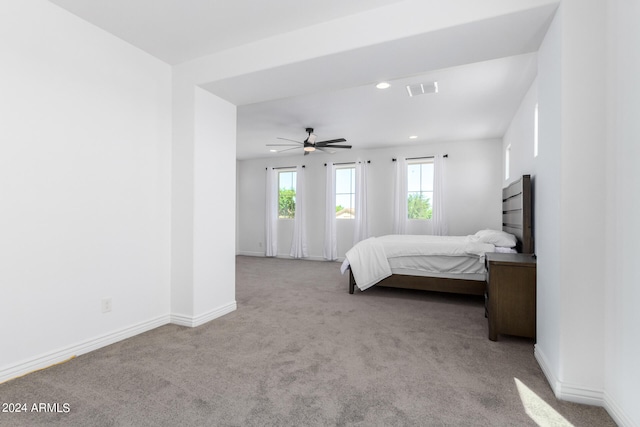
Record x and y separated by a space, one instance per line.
458 267
456 257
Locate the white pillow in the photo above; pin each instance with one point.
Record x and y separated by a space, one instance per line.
497 238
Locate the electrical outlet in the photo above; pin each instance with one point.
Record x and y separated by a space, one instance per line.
106 305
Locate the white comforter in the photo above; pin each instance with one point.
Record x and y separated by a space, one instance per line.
369 258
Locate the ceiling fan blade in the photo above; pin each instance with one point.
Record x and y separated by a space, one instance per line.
326 150
334 146
331 141
287 149
282 145
292 140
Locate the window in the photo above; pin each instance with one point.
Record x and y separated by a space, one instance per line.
535 131
345 192
507 161
420 189
287 194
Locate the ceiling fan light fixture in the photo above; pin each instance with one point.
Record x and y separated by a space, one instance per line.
310 145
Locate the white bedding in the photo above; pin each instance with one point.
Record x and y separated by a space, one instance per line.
409 245
439 266
441 256
368 263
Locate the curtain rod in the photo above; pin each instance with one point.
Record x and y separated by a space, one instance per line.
417 158
286 167
347 163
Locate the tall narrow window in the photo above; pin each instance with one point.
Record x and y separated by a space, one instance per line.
420 189
507 161
287 194
535 131
345 192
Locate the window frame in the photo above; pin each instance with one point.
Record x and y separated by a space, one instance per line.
352 194
507 162
293 172
422 161
535 130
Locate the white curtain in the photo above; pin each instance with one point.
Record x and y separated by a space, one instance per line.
299 242
440 227
361 226
271 213
400 197
330 241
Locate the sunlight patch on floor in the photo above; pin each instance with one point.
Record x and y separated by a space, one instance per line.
539 410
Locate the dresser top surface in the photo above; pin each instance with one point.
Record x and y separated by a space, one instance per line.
497 257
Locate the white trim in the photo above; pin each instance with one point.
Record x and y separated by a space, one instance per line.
312 258
285 256
282 256
195 321
616 412
54 357
546 370
565 391
580 394
58 356
250 253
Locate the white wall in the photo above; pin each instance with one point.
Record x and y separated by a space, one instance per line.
520 136
214 201
588 326
622 327
583 174
473 178
547 200
571 299
84 176
203 202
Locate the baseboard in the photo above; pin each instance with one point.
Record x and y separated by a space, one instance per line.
284 256
58 356
546 370
566 391
580 394
195 321
87 346
249 253
616 412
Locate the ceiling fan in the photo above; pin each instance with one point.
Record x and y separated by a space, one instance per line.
310 144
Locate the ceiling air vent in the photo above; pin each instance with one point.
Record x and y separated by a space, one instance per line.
422 88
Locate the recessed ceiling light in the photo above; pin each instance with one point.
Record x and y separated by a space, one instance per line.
413 137
383 85
273 151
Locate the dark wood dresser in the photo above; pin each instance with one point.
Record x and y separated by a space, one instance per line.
510 299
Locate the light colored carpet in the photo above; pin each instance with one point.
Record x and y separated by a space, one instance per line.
301 351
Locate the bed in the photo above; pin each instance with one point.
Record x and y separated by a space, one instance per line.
468 276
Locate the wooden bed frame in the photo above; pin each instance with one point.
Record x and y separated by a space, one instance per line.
516 219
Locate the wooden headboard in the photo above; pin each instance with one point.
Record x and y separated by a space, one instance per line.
517 213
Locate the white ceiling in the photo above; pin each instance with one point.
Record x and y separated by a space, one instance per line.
475 101
483 70
180 30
